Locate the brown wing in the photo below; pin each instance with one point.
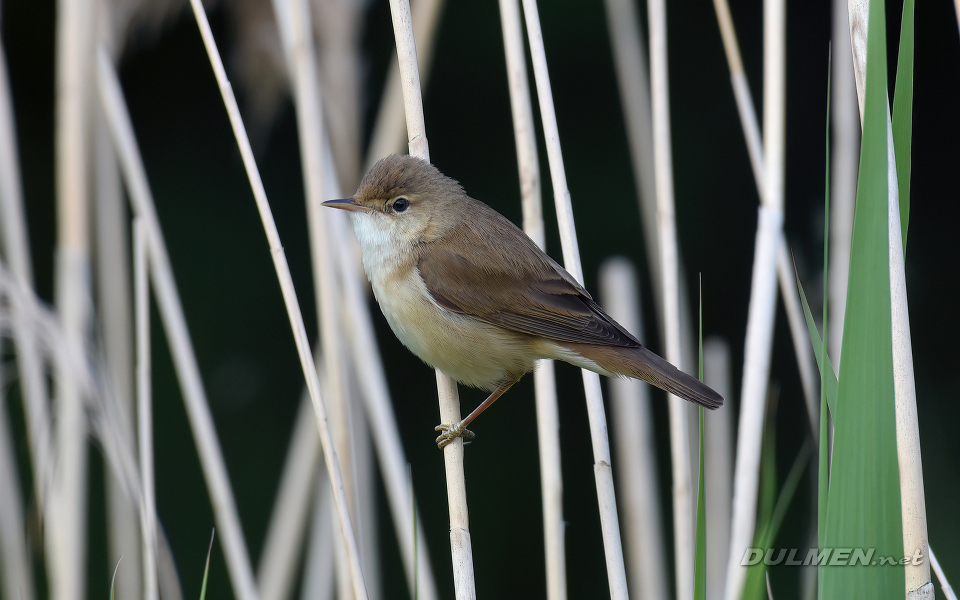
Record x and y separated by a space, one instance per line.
499 276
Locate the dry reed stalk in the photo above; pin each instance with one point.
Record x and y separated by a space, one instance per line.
175 325
545 388
377 405
290 299
633 80
15 247
340 27
632 418
945 586
449 400
115 323
288 520
917 576
148 514
718 437
603 471
16 252
763 296
16 564
785 271
669 260
294 20
318 572
845 158
65 529
389 128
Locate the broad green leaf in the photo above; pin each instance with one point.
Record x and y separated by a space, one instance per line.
863 505
903 115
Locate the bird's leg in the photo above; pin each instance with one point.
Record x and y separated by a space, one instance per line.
452 432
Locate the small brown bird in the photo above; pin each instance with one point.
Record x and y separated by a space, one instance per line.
470 294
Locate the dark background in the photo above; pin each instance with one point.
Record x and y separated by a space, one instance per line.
242 337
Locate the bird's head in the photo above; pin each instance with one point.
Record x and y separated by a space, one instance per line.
402 201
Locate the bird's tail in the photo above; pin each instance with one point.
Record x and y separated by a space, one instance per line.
641 363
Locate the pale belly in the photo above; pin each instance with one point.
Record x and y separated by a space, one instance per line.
468 350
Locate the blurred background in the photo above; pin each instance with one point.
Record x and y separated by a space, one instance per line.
235 311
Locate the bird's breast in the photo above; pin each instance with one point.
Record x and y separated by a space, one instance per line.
467 349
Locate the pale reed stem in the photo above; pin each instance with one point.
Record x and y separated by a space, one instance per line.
290 301
449 400
603 471
175 324
545 389
763 295
148 514
632 417
66 501
390 127
669 261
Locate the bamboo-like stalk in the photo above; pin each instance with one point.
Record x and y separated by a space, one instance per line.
340 28
844 158
449 400
296 34
718 478
171 312
545 389
632 418
15 566
115 323
148 515
318 572
666 226
290 299
65 529
751 133
389 128
603 471
916 576
633 80
16 252
288 521
763 291
945 586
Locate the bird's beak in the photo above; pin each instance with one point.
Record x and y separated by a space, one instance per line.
346 204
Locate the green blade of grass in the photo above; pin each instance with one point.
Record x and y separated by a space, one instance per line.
903 115
756 584
823 451
863 505
113 581
206 567
827 375
700 562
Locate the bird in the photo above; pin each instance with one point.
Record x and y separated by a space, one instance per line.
470 294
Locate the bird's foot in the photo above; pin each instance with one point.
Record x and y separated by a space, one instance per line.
452 432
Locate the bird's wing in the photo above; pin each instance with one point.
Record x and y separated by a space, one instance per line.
499 276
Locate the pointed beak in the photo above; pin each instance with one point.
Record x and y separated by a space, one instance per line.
346 204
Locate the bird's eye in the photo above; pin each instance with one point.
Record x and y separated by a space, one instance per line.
401 204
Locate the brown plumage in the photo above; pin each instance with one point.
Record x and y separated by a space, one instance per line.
471 294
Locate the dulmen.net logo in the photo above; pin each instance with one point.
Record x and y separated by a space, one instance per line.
826 557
